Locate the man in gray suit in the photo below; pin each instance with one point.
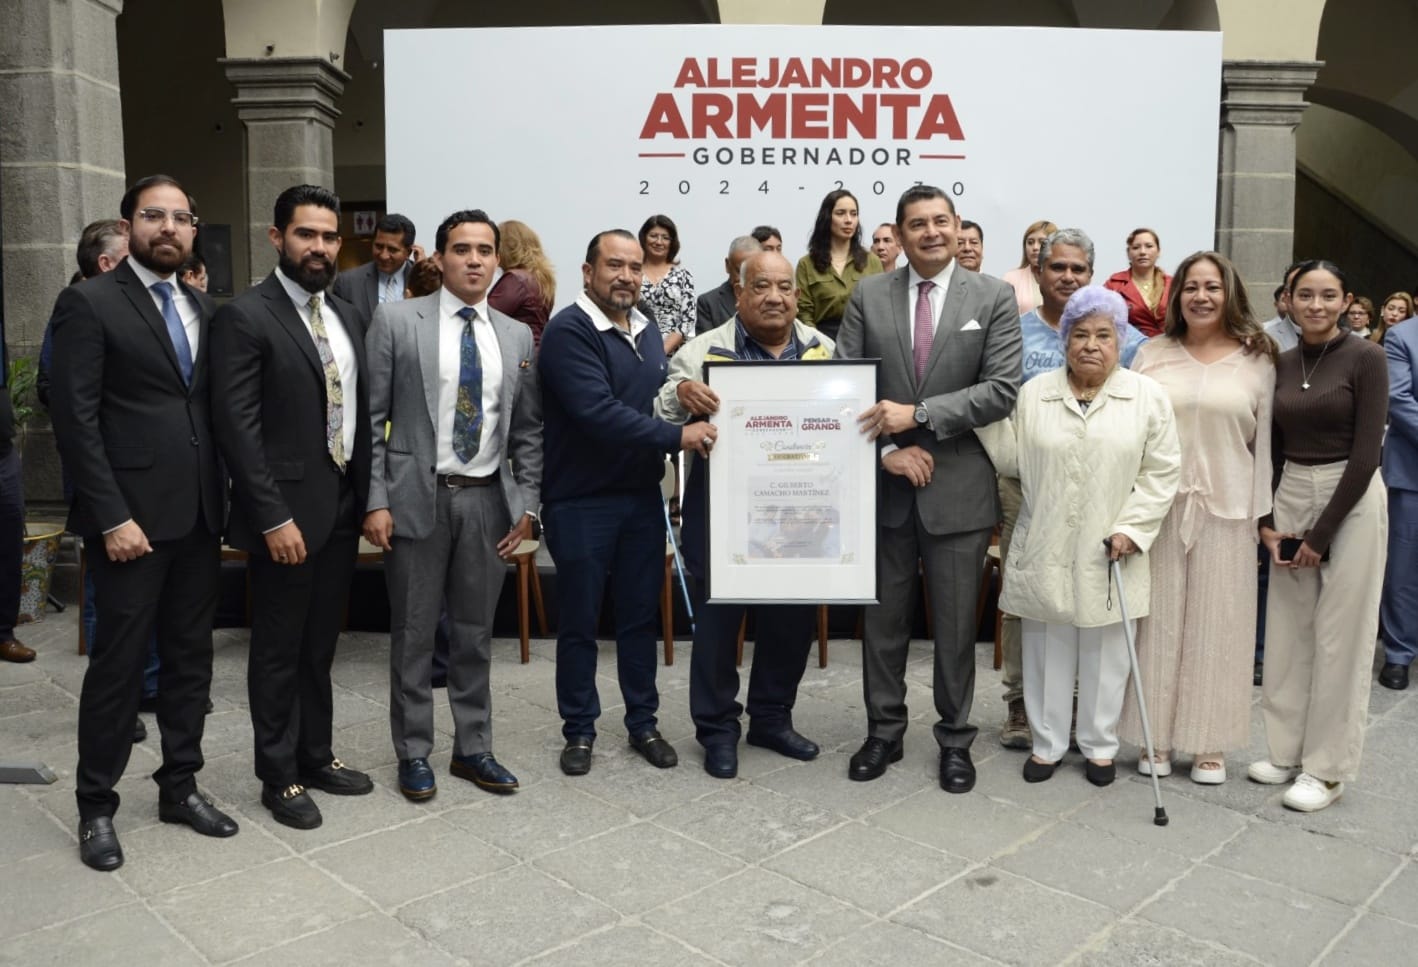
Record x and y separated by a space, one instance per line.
384 278
949 346
456 383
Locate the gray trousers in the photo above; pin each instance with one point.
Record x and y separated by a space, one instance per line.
952 565
457 563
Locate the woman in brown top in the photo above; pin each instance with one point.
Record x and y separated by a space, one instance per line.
1326 539
835 262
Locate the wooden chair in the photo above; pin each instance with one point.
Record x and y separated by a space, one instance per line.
668 481
525 560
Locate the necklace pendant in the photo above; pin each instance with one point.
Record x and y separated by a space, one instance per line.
1305 385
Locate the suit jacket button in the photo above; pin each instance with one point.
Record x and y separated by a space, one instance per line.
194 441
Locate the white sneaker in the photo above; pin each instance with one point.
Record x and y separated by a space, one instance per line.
1309 794
1270 774
1146 766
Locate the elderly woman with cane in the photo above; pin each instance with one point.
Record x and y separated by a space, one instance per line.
1095 448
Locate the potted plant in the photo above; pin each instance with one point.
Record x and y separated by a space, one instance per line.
41 544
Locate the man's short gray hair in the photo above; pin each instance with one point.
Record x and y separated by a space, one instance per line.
1076 237
744 243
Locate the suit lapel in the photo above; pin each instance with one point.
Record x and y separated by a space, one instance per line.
511 366
371 291
427 322
142 302
280 306
901 320
952 317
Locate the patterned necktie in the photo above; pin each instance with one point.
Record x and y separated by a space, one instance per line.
468 412
925 333
175 332
334 391
389 291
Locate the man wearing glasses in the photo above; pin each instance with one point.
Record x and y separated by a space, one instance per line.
131 412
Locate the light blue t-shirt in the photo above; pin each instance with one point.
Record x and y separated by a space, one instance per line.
1043 349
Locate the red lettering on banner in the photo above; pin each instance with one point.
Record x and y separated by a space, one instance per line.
810 116
862 117
940 119
664 118
885 73
794 75
855 72
689 75
744 68
770 115
710 114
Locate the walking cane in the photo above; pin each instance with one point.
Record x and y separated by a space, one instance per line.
1159 815
679 563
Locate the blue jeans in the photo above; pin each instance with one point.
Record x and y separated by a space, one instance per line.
618 538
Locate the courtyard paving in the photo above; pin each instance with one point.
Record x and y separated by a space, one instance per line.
788 864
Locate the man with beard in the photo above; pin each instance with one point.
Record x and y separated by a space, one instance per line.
602 365
131 411
293 425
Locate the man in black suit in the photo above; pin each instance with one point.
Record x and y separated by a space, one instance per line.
293 424
132 416
717 306
383 279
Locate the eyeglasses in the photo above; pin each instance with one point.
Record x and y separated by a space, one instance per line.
157 216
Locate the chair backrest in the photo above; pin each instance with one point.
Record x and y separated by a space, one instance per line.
667 479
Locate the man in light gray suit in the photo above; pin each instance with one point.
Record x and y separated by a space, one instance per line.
455 381
950 352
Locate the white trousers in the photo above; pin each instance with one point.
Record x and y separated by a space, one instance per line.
1057 656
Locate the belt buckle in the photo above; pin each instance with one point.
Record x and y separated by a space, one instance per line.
448 481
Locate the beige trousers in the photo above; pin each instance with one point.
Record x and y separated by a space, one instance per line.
1321 625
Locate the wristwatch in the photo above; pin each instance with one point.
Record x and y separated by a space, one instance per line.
923 416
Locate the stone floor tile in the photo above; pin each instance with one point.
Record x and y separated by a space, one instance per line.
53 887
1194 828
30 828
550 816
506 916
169 856
370 939
343 817
854 799
758 919
638 867
394 866
973 826
620 945
138 795
985 911
120 937
748 822
1237 793
892 945
1305 860
17 699
1399 898
621 777
1374 940
1358 816
867 867
1268 921
1094 865
1000 776
238 915
1133 944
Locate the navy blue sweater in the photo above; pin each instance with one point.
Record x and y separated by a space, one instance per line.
597 399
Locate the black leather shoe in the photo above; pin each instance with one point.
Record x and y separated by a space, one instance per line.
576 757
1394 676
140 731
871 759
721 760
338 779
1100 775
787 742
655 749
957 772
416 780
198 812
1258 676
98 845
291 806
483 771
1038 771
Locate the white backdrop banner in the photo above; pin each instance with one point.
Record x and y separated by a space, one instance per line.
578 129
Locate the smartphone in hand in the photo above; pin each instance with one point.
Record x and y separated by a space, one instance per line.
1290 546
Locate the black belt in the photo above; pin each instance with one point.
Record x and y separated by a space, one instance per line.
456 480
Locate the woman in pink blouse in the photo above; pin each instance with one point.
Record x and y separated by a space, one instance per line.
1026 287
1197 645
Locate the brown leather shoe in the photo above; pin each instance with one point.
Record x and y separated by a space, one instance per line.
12 650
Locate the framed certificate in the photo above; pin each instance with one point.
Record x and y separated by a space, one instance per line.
792 483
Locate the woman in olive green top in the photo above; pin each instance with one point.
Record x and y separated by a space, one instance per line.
835 261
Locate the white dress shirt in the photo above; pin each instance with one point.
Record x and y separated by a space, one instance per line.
604 323
936 295
187 309
488 460
340 345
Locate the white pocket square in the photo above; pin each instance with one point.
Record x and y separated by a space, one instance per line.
971 326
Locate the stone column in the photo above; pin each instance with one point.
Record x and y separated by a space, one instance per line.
61 167
288 108
1261 104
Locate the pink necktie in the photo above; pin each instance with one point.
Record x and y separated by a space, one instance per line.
924 331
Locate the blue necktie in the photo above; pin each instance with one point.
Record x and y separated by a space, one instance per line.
468 413
175 332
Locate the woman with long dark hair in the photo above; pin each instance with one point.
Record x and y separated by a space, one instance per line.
835 262
1327 540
